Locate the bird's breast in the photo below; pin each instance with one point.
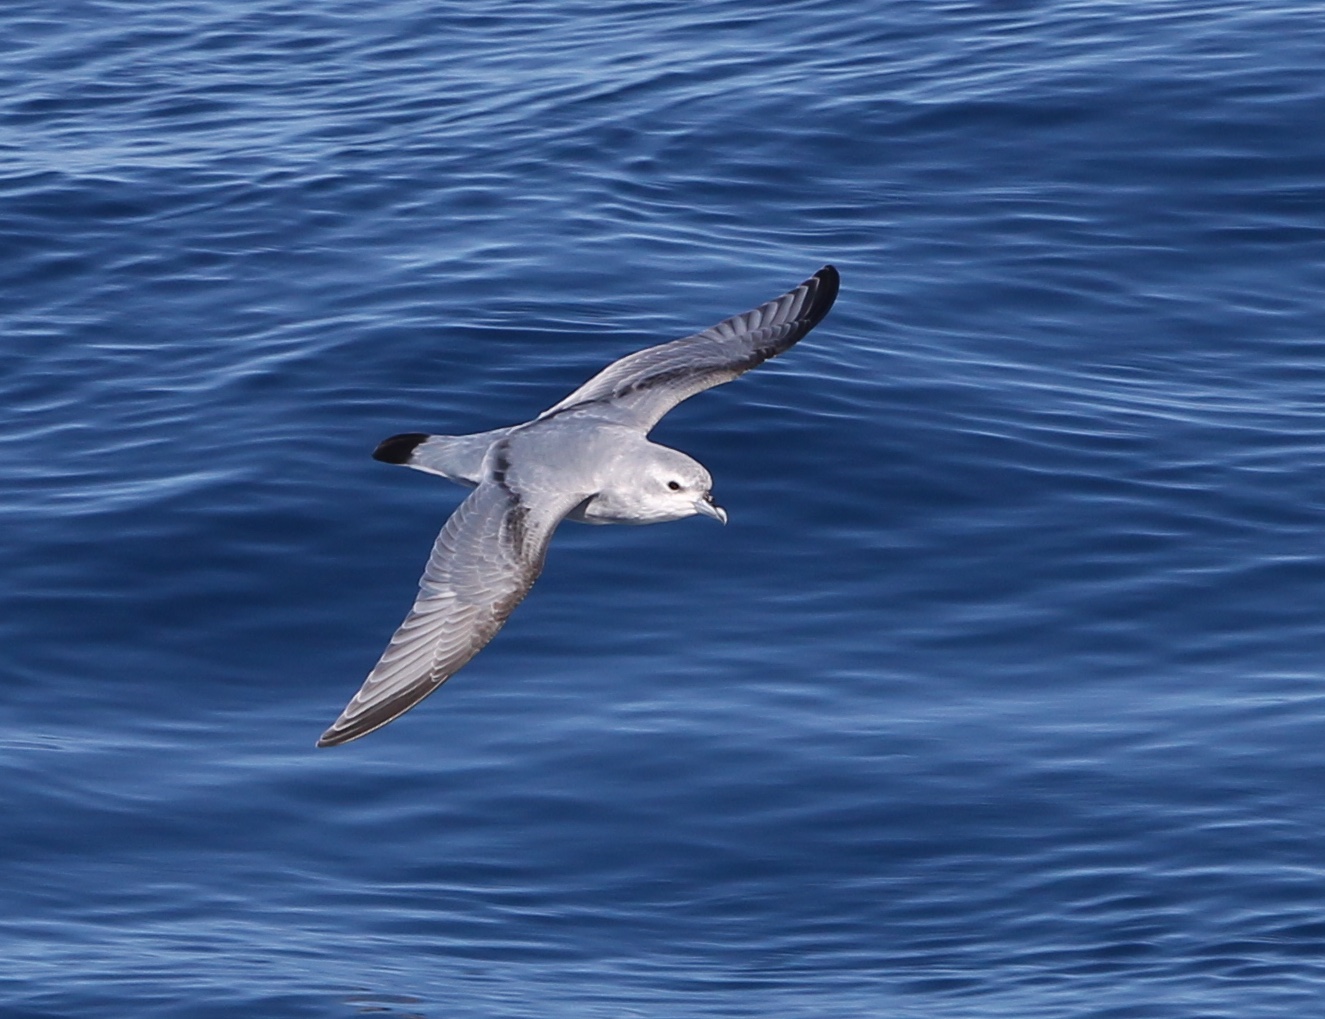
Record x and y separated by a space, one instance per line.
604 508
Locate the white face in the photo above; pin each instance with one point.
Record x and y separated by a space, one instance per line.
678 486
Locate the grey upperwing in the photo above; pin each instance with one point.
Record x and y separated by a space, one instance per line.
482 565
641 387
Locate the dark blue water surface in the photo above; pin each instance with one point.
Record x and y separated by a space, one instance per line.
1003 693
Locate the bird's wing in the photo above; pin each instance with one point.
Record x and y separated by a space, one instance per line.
484 561
642 387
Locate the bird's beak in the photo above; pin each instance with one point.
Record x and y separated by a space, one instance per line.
705 505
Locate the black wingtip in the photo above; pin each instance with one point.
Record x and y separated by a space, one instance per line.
332 738
399 448
830 280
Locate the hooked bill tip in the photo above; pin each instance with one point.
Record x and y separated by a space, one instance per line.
707 506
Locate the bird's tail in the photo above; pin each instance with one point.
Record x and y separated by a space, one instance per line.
457 458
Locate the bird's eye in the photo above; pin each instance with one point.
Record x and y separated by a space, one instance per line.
675 486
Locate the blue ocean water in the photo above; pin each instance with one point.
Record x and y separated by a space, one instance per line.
1002 694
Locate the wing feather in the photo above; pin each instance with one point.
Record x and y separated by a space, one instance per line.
482 565
643 386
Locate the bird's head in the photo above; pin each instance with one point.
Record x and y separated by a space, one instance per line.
675 486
